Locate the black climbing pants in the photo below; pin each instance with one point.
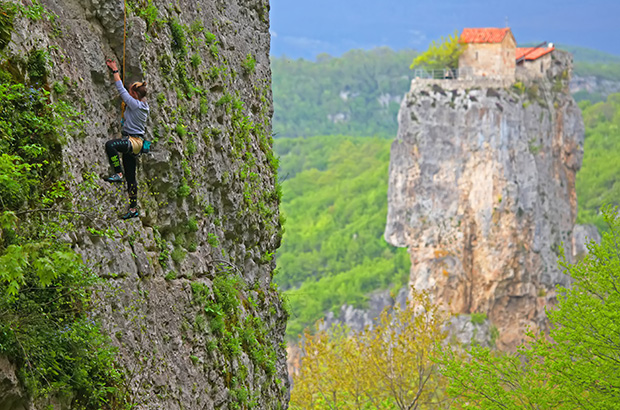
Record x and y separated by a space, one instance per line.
130 162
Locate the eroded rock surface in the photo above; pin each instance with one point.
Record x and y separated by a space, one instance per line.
207 193
482 192
357 319
582 236
12 396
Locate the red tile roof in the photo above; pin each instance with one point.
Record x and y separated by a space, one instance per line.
484 35
532 53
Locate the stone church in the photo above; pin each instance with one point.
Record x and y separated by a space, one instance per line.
493 53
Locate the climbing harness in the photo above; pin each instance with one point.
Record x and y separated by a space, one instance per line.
146 144
146 147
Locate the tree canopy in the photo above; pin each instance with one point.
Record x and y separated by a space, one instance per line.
441 55
389 366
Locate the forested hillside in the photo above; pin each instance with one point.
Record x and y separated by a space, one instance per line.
608 71
598 182
333 251
357 94
592 62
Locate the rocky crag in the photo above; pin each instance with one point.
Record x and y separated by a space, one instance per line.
482 192
594 85
187 296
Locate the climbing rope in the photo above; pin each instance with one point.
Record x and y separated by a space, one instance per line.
124 35
124 44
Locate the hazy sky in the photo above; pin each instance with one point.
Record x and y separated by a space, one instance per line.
307 28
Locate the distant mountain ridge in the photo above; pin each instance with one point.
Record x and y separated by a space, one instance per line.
588 55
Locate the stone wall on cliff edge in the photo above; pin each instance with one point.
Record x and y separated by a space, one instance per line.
482 192
208 193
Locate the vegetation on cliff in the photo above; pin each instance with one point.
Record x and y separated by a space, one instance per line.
46 324
52 301
333 251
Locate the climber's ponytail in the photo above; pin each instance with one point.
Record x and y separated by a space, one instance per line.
140 89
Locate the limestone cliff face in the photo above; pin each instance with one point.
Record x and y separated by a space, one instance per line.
482 192
207 193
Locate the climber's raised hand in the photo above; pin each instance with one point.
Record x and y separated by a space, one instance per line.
111 64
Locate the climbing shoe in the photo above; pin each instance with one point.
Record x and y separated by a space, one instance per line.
114 178
131 214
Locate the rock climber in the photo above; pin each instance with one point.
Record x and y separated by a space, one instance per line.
130 144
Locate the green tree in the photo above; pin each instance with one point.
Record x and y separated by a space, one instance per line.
388 366
576 366
444 54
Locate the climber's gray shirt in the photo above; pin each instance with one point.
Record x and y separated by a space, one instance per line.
136 112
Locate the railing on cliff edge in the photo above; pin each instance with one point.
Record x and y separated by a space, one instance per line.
443 73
